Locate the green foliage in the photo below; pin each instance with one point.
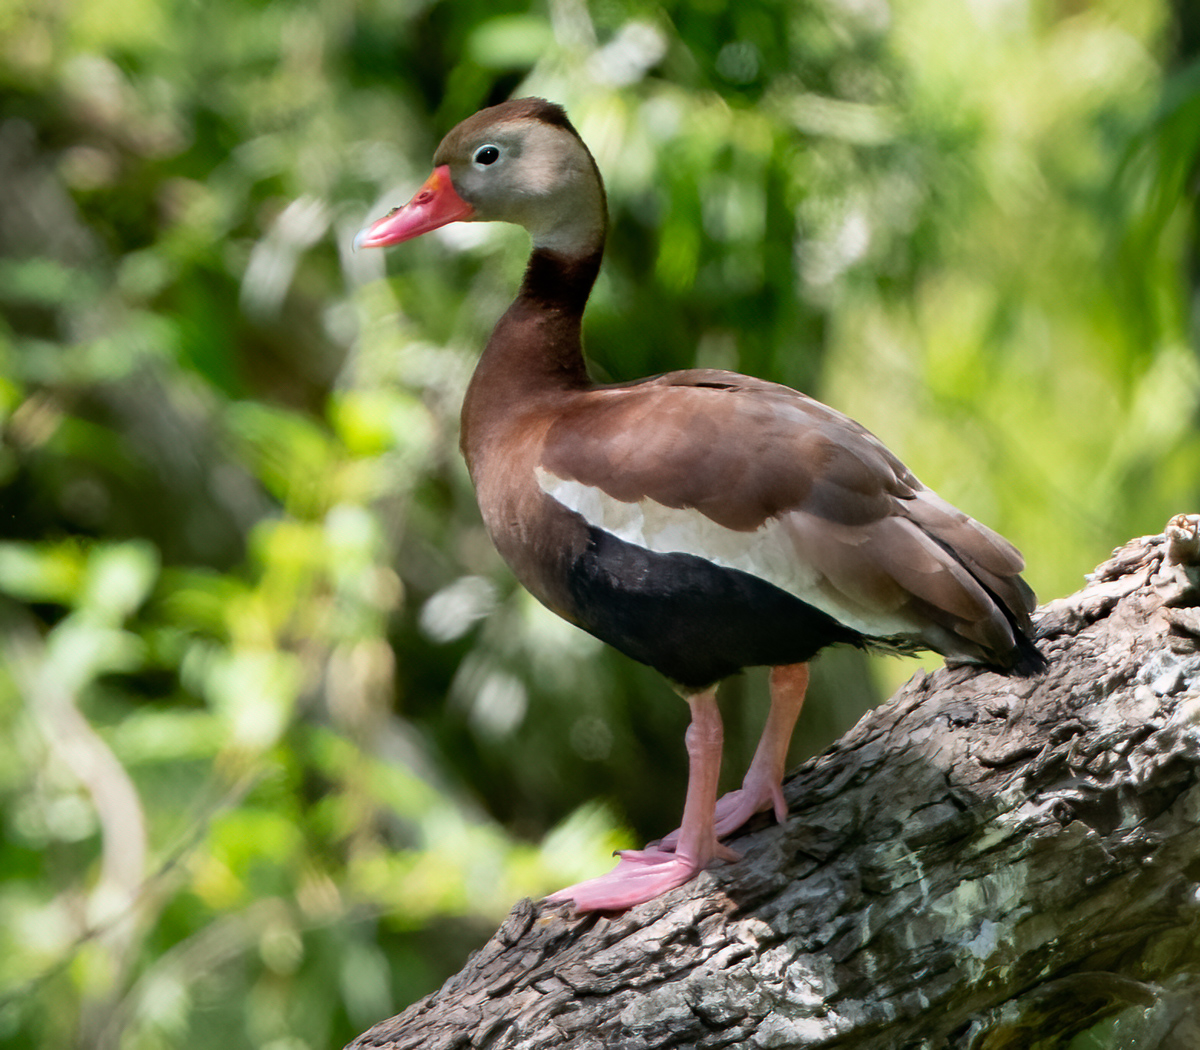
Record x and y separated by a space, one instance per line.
281 740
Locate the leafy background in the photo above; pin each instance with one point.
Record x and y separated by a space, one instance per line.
280 739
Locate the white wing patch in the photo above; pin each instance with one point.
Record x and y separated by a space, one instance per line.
770 552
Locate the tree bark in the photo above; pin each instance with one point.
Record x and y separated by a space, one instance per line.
982 862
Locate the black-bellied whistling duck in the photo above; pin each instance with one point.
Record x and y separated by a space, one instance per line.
699 521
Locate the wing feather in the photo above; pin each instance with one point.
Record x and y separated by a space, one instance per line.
773 482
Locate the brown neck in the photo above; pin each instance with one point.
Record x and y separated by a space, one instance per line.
535 350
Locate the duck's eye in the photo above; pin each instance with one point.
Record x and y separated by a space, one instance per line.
487 155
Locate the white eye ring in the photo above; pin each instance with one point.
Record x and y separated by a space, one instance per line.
486 155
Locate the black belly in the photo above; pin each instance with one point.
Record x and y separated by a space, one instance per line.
694 621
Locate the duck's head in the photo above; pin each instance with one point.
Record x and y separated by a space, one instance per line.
521 162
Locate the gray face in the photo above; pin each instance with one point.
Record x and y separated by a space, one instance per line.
530 173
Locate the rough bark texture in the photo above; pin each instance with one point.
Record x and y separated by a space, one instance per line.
980 863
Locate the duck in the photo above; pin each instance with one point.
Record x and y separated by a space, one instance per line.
699 521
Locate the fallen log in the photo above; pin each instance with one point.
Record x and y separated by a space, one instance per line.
982 862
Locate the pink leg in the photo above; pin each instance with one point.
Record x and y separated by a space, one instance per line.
762 787
642 875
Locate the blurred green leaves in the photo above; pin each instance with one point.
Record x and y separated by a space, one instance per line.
280 740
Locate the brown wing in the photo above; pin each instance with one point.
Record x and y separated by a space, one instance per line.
881 549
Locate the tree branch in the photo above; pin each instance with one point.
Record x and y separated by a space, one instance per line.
983 862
